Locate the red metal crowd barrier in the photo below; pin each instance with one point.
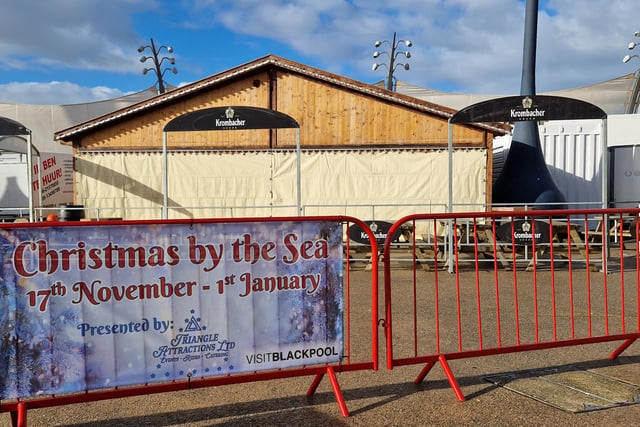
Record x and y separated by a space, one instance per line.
522 281
359 329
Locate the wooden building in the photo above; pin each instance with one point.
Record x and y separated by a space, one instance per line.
365 151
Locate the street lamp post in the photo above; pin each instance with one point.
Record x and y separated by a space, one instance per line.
157 63
634 95
391 67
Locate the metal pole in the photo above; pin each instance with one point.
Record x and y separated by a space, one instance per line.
450 152
156 63
39 183
392 59
634 95
451 231
298 173
605 194
30 174
605 166
165 178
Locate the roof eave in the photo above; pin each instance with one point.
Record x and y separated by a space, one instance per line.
267 61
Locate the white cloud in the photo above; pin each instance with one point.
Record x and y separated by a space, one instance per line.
71 34
466 45
474 45
54 93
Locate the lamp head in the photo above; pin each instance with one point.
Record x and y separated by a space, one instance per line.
626 58
378 44
140 49
406 67
143 58
632 45
169 49
375 66
637 34
408 43
376 54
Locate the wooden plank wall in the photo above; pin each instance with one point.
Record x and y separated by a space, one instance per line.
338 117
144 131
329 116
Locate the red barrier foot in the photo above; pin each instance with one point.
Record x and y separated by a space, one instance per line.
452 380
334 385
622 348
424 372
314 384
19 417
336 391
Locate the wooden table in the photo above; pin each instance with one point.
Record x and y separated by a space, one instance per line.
562 238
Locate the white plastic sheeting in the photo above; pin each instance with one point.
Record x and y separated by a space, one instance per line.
368 184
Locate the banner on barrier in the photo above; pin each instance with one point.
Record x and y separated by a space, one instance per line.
88 307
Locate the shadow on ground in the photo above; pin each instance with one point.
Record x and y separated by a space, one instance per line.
293 410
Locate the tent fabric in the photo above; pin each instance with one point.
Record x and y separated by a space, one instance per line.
610 95
44 120
263 183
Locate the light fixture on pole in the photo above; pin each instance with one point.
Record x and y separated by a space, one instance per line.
393 56
631 46
634 95
157 63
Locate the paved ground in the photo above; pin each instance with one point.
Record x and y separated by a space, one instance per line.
383 398
374 399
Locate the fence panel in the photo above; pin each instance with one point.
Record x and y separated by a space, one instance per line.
522 280
100 310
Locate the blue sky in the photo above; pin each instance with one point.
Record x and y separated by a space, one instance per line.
72 51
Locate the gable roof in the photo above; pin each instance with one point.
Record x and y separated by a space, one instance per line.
242 71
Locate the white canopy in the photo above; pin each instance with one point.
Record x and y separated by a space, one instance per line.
610 95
